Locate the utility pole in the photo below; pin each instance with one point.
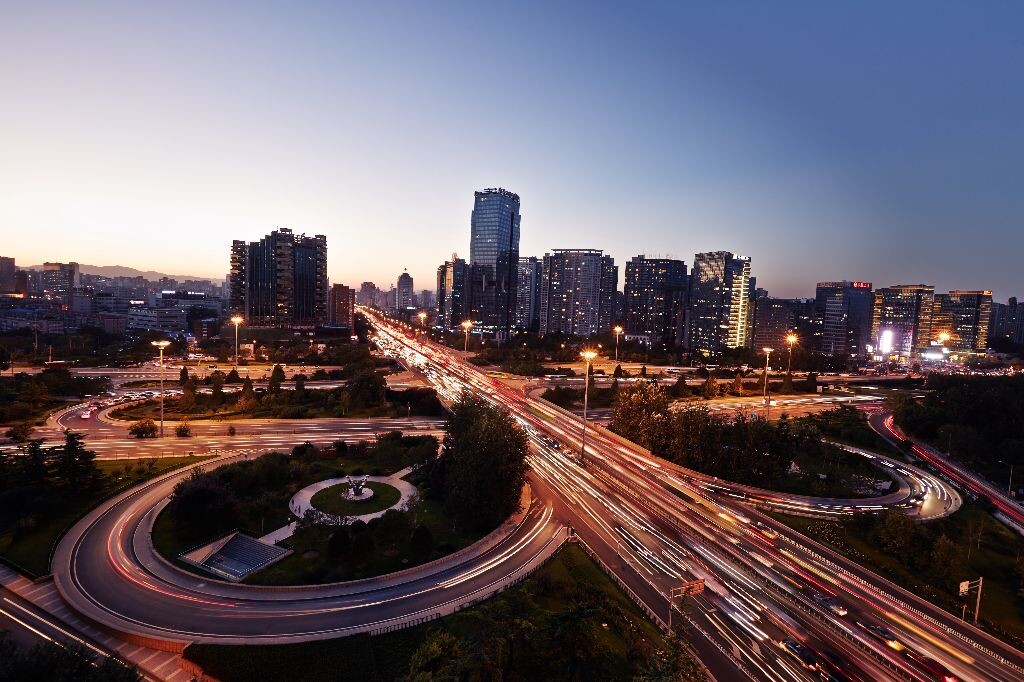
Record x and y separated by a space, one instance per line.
965 588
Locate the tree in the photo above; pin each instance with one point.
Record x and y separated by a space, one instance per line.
5 359
74 465
710 388
183 429
247 397
438 658
637 412
339 544
276 379
183 376
52 661
20 432
144 428
340 448
231 430
483 464
366 389
945 565
737 385
897 533
233 377
187 401
618 374
217 386
300 384
422 541
34 467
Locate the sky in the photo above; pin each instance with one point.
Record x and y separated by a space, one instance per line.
878 141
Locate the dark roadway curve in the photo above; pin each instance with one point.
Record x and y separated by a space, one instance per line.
99 572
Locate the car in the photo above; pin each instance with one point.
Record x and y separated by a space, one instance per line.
553 443
882 633
801 653
831 603
85 415
935 670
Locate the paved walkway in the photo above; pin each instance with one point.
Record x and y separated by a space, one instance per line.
301 501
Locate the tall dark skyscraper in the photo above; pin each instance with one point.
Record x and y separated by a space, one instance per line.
452 278
404 296
720 310
842 312
655 298
494 259
283 281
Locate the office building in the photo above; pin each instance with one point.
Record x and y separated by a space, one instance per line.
901 325
577 292
1007 321
961 322
494 260
452 293
528 293
281 280
842 312
367 294
777 318
654 299
342 306
425 300
405 297
720 314
59 280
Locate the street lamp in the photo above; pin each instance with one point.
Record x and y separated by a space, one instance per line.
161 345
466 326
423 318
1009 485
587 355
618 333
767 354
236 320
791 338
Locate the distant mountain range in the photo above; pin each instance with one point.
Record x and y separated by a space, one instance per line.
122 271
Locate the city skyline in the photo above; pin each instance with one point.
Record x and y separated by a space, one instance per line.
689 142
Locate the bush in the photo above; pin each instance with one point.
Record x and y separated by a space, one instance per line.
183 430
144 428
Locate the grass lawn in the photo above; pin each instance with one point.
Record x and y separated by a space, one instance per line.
386 657
30 546
332 500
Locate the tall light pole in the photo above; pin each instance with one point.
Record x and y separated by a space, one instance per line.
767 354
466 326
587 355
618 333
161 345
791 338
236 320
1009 485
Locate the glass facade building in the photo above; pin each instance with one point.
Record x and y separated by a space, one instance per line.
494 259
964 316
901 324
528 293
577 292
720 314
843 315
281 280
452 278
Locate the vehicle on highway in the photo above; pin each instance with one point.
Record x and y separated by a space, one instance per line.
85 415
802 654
933 668
882 633
830 603
553 443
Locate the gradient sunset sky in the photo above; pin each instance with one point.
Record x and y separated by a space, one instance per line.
880 141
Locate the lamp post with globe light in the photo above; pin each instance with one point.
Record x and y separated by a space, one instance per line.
767 400
588 356
161 345
236 320
618 333
791 339
423 318
466 326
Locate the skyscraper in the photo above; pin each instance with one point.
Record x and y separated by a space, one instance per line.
494 259
965 317
404 296
577 292
236 277
7 278
59 280
843 314
528 292
901 323
720 314
367 294
655 298
452 278
1007 320
776 318
284 279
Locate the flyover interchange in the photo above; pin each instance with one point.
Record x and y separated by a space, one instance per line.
653 524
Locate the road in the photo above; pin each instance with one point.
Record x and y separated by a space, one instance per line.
657 529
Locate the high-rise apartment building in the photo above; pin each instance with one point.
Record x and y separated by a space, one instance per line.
8 280
776 318
901 324
283 281
528 292
404 294
494 259
367 294
842 312
452 294
654 299
962 318
341 305
720 311
577 292
1007 320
